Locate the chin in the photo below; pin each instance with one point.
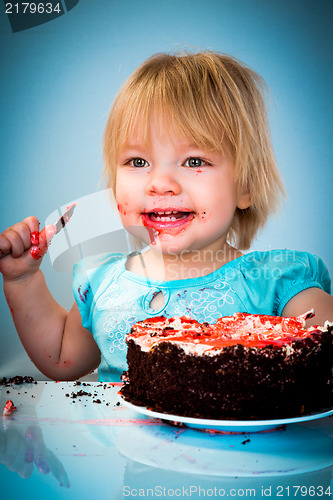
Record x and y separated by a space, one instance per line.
171 245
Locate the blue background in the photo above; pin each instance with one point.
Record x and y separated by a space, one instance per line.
59 79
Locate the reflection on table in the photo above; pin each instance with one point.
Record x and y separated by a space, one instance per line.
77 441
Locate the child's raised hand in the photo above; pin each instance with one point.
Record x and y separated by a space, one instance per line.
22 248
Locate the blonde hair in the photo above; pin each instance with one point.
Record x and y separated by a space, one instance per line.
218 103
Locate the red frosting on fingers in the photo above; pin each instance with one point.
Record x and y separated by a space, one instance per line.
43 240
34 238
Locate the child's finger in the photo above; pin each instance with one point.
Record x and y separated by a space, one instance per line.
12 242
5 245
16 239
46 235
44 239
32 222
34 238
23 230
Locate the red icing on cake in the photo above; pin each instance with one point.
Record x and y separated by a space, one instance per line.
249 330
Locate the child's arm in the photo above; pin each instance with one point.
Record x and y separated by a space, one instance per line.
54 339
312 298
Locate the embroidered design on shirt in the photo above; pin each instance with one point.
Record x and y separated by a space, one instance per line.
207 303
119 316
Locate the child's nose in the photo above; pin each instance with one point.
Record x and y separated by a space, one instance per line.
163 182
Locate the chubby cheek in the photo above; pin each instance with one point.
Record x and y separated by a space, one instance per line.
125 211
130 217
204 216
124 198
122 208
128 209
127 196
217 212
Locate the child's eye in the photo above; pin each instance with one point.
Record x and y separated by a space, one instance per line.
195 162
137 162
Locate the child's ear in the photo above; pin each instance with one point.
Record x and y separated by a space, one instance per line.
244 200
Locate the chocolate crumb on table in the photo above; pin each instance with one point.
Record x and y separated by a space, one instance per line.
18 380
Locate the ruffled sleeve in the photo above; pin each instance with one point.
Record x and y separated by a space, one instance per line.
88 276
268 280
299 271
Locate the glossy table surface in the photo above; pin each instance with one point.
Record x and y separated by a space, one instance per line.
73 441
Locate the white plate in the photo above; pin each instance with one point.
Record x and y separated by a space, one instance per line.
229 426
297 449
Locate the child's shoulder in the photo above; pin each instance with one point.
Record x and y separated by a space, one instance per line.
286 266
276 276
283 256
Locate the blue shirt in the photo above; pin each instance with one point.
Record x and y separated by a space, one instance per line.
110 298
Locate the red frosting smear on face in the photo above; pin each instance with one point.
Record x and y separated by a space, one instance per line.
121 209
153 233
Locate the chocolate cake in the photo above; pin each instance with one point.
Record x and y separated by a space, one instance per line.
243 367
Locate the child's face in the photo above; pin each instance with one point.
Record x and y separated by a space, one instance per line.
174 195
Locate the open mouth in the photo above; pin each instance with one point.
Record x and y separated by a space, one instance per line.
167 218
